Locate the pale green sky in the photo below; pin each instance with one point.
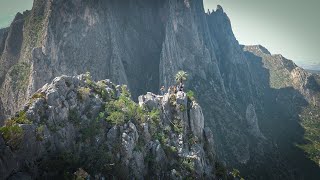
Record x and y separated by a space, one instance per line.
9 8
288 27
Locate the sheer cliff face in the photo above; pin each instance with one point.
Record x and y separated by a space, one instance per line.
143 43
288 113
121 40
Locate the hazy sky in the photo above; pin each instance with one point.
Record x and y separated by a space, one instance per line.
9 8
288 27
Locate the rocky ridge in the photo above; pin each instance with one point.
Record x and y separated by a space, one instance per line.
248 97
75 122
114 39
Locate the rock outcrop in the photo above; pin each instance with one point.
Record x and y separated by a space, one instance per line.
77 124
247 95
142 46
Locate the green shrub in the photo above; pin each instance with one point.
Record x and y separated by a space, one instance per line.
126 107
101 115
12 135
177 126
173 99
155 115
235 173
172 149
100 89
21 118
191 95
116 118
141 114
188 164
38 96
192 139
125 92
83 93
182 107
39 133
163 139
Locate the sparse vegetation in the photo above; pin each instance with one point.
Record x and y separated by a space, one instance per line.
114 108
39 133
236 174
12 134
83 93
33 31
178 126
311 123
182 107
21 118
191 95
188 164
116 118
173 99
38 96
19 74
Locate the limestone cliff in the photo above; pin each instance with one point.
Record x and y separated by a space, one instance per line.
288 112
140 43
76 123
248 96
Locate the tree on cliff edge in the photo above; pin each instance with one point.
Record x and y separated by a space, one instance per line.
180 77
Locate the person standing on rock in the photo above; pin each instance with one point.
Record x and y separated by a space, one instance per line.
162 89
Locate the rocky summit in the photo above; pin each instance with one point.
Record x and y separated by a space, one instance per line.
74 124
262 109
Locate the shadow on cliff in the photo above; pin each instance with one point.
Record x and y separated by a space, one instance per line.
279 121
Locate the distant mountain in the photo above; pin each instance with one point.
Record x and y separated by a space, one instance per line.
309 65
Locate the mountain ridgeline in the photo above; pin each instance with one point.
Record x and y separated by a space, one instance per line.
262 109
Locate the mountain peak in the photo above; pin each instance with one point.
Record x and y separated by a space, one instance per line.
257 49
219 8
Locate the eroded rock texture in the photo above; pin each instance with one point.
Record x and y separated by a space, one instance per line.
76 123
143 43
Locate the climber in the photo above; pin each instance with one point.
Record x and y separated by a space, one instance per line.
181 86
162 90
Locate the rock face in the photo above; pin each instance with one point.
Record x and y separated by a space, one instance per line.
247 95
288 111
76 123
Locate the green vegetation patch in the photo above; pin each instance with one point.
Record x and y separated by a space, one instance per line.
33 31
19 74
191 95
83 93
123 109
39 133
177 126
12 134
311 123
188 165
39 96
